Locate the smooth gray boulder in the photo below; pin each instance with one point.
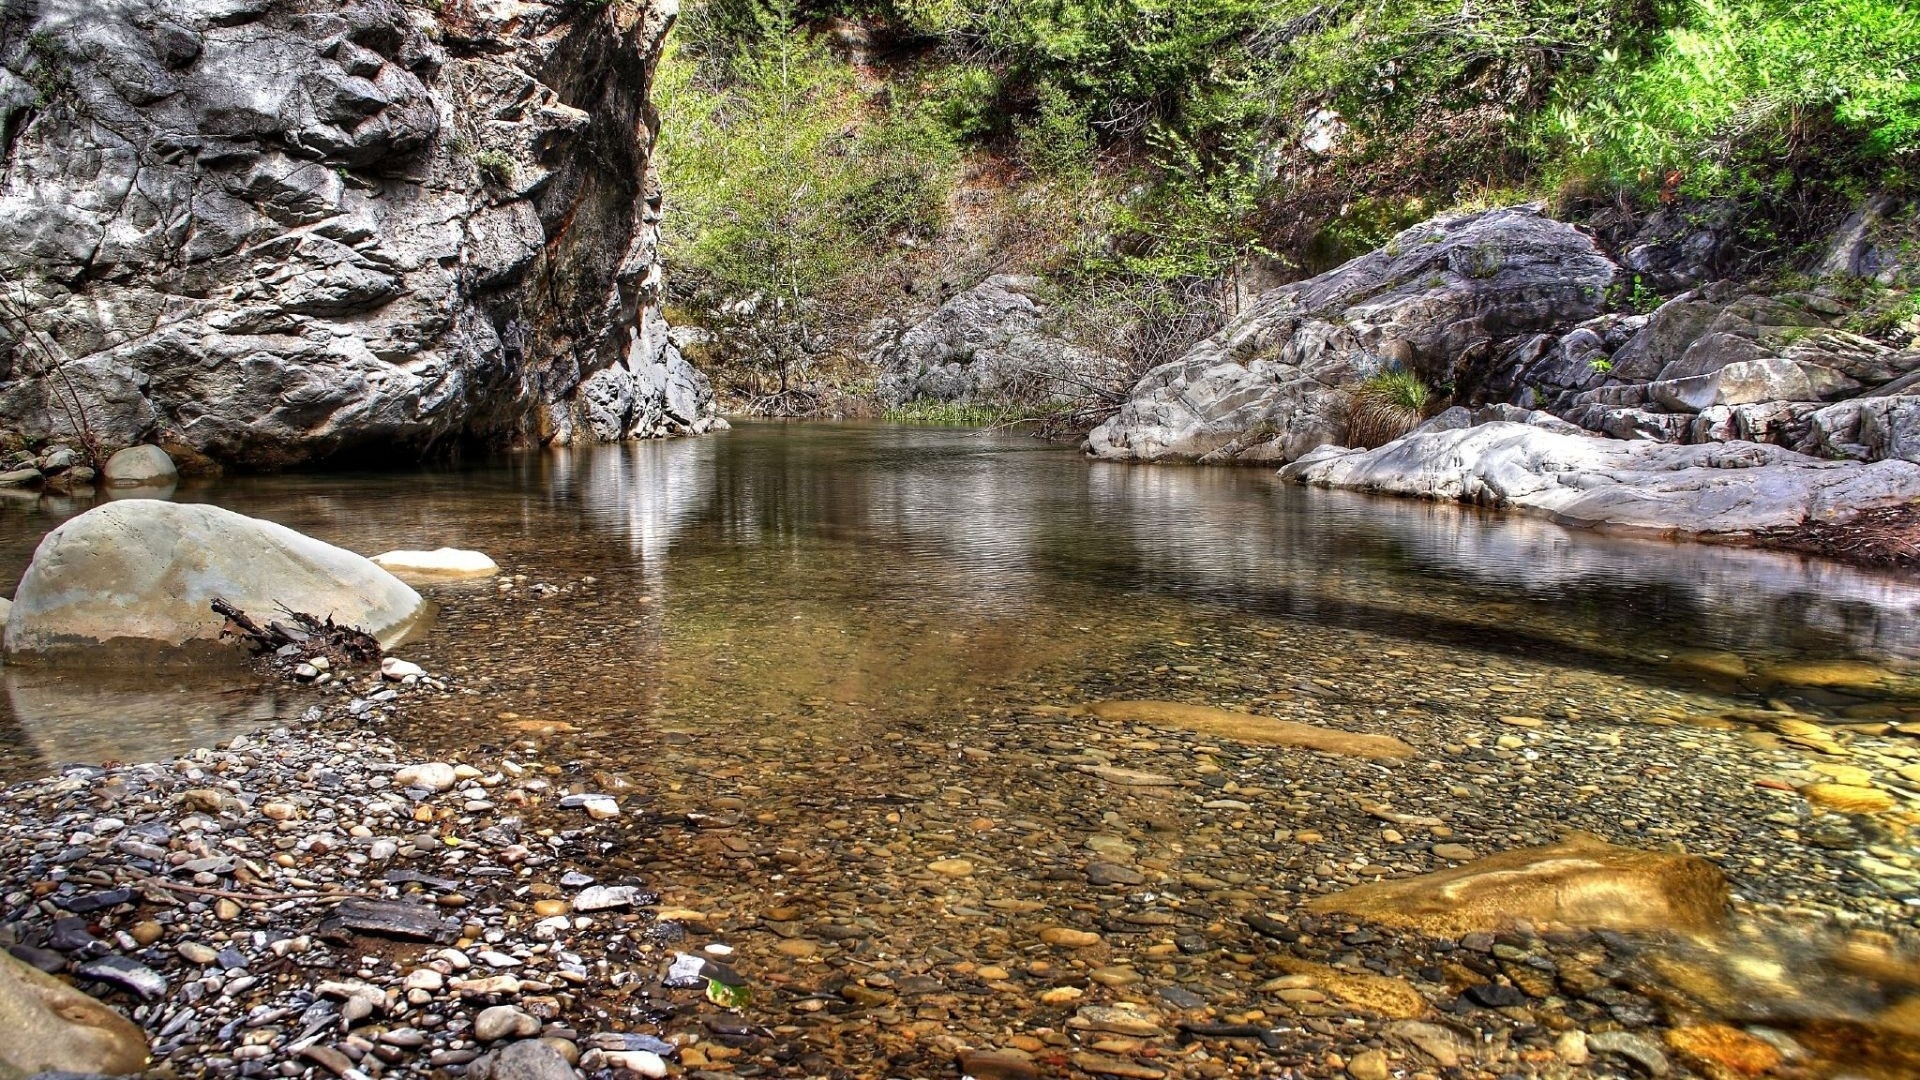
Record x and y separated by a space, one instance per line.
1443 299
1586 481
141 466
136 579
53 1028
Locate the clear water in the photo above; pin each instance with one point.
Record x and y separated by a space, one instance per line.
910 568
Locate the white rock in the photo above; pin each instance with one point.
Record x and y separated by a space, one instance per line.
141 466
140 576
397 669
440 564
432 775
1587 481
644 1062
602 897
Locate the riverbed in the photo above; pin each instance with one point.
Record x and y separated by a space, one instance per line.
837 672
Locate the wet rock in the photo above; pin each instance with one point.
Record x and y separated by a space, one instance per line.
1106 873
126 974
394 669
606 897
1581 881
1848 798
51 1027
433 775
530 1059
140 575
1068 937
1246 727
390 918
440 564
1635 1049
998 1065
141 466
504 1022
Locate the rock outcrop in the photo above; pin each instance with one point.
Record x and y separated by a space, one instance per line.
1446 299
274 231
135 580
1586 480
988 344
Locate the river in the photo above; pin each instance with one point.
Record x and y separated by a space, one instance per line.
826 656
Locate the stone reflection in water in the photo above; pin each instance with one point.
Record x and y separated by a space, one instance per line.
93 716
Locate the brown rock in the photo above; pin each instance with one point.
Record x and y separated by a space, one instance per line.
1581 881
1847 798
51 1027
1246 727
1069 937
1716 1049
998 1065
1382 995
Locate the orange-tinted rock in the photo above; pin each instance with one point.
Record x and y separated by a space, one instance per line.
1246 727
1581 881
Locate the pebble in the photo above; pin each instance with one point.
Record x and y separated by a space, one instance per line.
432 775
951 868
1069 937
504 1022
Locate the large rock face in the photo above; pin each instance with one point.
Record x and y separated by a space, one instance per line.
274 231
989 343
137 579
1444 299
1585 480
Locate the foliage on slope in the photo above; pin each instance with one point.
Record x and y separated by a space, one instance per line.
1141 153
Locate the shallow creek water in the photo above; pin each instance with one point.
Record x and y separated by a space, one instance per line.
818 660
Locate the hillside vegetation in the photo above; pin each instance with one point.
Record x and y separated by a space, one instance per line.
831 166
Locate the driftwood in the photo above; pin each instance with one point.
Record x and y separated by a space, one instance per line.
311 635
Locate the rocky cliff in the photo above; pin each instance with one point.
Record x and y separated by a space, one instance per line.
277 231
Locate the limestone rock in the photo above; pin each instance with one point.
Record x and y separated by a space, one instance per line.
1246 727
1585 482
138 577
1442 299
440 564
988 343
1582 882
140 466
274 233
52 1027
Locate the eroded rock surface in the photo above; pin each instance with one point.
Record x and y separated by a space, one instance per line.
1445 299
1582 882
272 231
1585 480
990 343
138 577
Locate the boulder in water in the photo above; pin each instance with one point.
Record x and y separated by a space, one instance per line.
137 579
440 564
1582 882
51 1027
141 466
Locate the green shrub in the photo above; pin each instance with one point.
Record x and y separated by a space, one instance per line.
1385 406
496 166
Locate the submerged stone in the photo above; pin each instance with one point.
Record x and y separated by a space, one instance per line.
1246 727
440 564
1581 881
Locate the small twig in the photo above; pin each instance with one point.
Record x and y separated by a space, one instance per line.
231 894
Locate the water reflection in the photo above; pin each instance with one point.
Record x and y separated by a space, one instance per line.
778 562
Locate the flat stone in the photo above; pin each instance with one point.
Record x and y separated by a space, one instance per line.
1581 881
1847 798
1128 777
126 974
605 897
998 1065
1068 937
1108 1065
1106 873
1246 727
1119 1021
1636 1049
1827 674
390 918
440 564
951 867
